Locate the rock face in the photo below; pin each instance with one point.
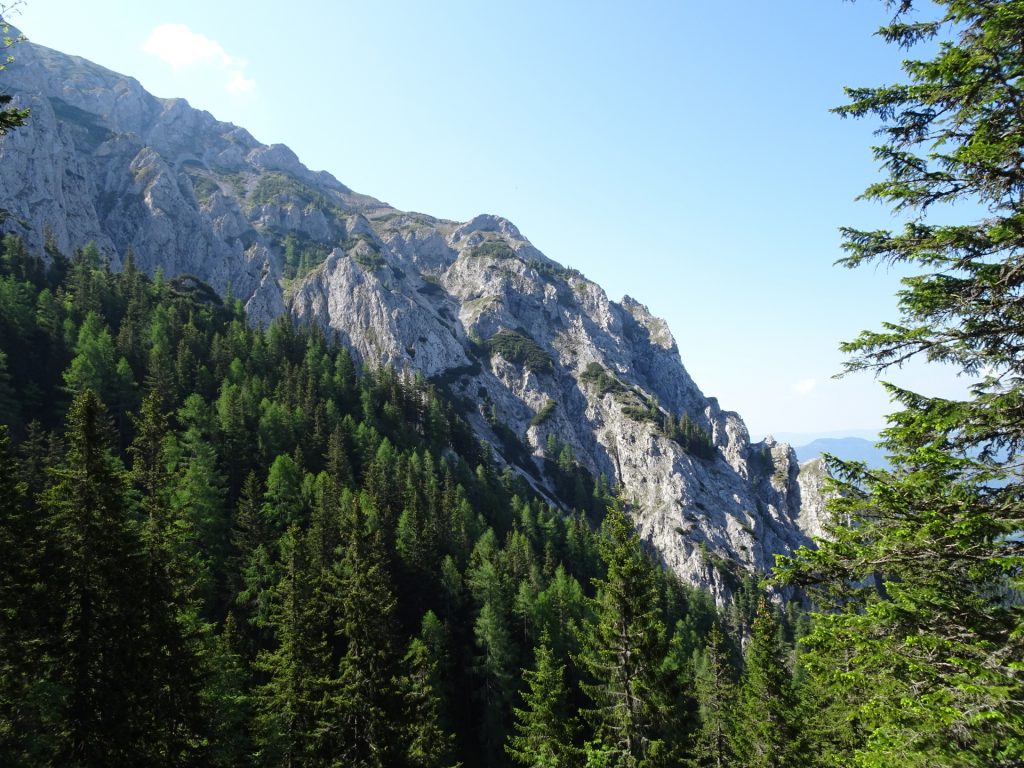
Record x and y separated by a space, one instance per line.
531 348
814 495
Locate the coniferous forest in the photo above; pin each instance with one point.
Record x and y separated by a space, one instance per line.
223 544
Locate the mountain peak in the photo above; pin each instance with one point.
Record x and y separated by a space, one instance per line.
487 222
537 356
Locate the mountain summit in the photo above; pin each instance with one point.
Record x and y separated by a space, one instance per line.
547 368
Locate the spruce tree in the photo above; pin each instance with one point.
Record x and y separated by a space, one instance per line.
560 608
172 605
358 720
763 730
714 692
94 365
544 727
109 625
26 713
427 742
253 568
198 498
623 646
8 401
295 669
920 577
494 666
228 701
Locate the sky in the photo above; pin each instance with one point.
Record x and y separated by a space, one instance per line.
681 153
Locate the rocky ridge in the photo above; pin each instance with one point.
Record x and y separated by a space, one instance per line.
531 349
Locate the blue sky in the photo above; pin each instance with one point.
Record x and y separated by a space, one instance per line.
678 152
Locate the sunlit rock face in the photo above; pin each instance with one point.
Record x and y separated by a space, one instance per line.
514 336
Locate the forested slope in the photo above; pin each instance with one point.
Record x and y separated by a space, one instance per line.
225 545
532 349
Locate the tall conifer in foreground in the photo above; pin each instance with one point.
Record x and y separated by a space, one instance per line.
25 710
427 743
363 703
544 728
714 693
764 733
622 650
108 624
921 577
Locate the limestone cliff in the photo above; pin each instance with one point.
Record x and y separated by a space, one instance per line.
523 342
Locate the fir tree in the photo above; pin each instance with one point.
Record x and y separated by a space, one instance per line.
623 646
359 717
8 402
764 733
26 716
544 727
427 743
198 498
94 365
494 665
103 657
714 692
227 700
287 704
920 577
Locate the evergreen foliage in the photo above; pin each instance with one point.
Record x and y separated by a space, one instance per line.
604 382
224 545
918 644
763 730
691 436
544 726
713 688
10 117
621 652
518 348
544 413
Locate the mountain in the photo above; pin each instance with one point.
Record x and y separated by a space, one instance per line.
845 448
547 369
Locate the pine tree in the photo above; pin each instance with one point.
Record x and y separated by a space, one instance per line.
94 365
623 646
829 699
159 361
171 603
287 730
494 666
131 333
921 576
764 732
103 655
149 473
227 700
358 721
26 713
427 742
544 727
39 451
8 402
714 692
198 498
560 608
282 502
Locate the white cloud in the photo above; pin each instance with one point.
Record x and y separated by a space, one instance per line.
180 47
239 83
805 386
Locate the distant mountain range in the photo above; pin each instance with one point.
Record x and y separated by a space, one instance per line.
847 448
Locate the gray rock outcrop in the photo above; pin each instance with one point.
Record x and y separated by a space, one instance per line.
526 343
